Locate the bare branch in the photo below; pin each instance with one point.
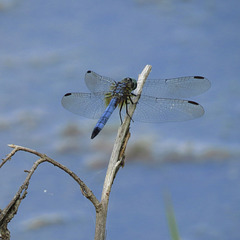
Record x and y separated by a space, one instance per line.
117 157
44 158
10 210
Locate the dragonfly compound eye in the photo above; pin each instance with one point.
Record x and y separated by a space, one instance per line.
134 84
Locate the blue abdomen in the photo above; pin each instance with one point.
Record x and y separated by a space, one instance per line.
104 118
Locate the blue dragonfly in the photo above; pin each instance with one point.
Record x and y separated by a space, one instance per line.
160 99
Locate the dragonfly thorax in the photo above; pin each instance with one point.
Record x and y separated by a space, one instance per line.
121 91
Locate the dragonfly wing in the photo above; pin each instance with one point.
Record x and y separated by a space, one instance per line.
98 83
151 109
176 87
85 104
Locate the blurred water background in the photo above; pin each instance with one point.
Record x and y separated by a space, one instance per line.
45 49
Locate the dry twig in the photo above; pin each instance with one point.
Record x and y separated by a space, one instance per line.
10 210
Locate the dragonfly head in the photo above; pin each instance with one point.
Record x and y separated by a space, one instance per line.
131 82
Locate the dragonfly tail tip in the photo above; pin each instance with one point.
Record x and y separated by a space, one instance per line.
95 132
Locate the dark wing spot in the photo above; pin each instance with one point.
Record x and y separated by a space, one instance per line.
199 77
89 71
67 94
192 102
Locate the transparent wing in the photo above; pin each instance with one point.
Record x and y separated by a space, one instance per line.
176 87
98 83
151 109
90 105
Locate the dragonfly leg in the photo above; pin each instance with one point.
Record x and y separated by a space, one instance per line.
132 94
131 100
120 110
126 103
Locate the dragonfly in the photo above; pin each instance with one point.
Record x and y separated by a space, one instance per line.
161 99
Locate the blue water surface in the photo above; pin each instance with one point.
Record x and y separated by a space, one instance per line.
45 50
